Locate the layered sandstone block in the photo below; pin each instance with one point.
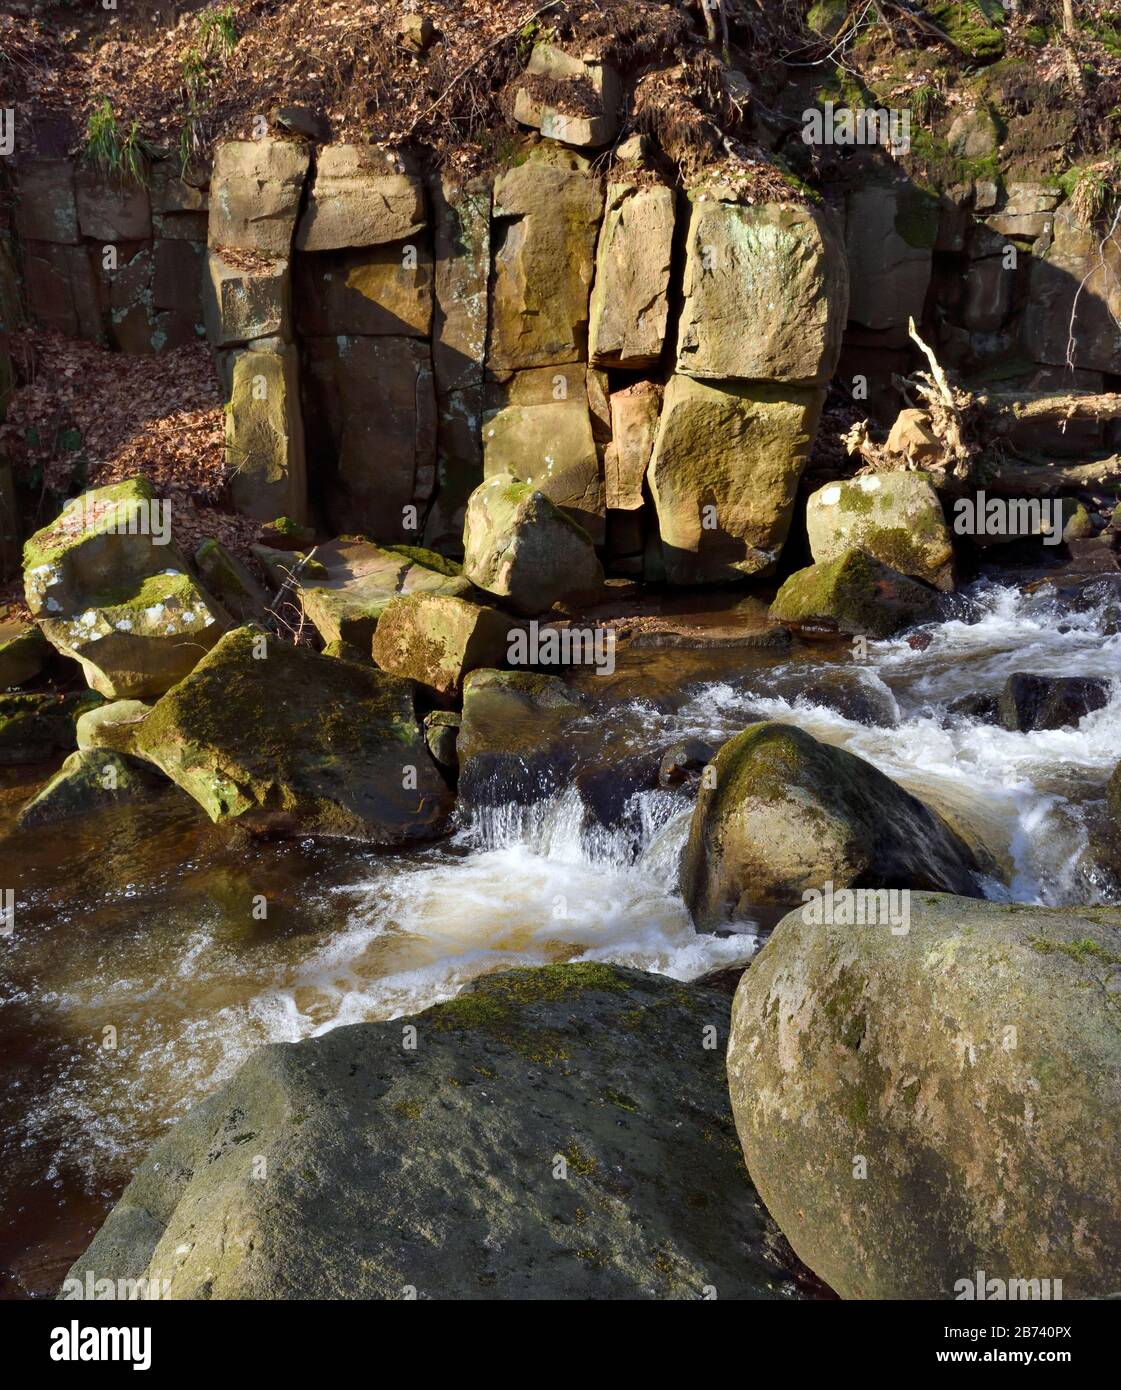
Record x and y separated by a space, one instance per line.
549 211
255 193
766 292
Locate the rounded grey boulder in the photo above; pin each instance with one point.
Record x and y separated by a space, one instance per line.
916 1107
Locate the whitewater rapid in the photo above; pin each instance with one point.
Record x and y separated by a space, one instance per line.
169 958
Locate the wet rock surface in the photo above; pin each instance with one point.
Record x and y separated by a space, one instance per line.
524 1149
785 814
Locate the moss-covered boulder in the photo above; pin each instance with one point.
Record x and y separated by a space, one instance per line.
114 725
286 568
141 638
916 1107
562 1132
111 591
724 474
435 639
522 549
550 446
896 517
35 727
853 594
287 740
100 541
91 780
784 814
22 657
358 578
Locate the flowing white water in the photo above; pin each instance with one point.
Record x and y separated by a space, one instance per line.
536 884
164 957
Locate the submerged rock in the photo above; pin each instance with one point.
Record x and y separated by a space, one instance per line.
1030 702
562 1132
684 761
972 1064
522 549
853 594
895 517
288 740
846 693
787 814
984 709
89 781
608 792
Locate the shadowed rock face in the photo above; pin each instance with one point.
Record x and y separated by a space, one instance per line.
786 814
975 1061
556 1133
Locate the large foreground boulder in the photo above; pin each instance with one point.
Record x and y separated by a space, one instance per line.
785 814
917 1107
562 1132
853 594
287 740
524 550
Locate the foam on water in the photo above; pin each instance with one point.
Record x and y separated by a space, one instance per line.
529 885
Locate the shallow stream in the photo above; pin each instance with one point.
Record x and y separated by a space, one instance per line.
142 921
